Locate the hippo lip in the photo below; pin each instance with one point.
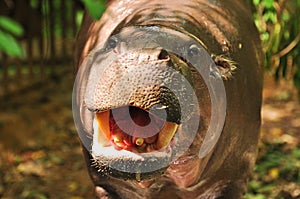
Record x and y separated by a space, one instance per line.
132 129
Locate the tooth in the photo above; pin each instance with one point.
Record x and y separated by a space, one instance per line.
139 141
166 134
119 142
117 139
102 127
138 176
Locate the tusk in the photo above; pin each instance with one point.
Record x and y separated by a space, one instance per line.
166 134
101 127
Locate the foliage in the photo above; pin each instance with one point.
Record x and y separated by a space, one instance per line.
95 7
274 166
9 29
279 23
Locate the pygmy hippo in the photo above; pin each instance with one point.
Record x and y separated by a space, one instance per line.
167 98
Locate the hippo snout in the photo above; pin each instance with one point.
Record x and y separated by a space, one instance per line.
140 79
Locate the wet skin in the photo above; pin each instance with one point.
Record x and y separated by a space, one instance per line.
144 106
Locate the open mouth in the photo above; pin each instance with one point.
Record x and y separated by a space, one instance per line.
132 143
133 129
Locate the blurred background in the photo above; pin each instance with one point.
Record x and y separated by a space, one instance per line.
40 154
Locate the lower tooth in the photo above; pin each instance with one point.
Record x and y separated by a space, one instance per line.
117 139
139 141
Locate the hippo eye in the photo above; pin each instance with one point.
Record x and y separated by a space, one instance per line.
193 50
111 43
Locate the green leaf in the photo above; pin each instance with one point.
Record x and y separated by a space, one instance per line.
285 16
270 16
265 36
94 7
11 26
79 17
256 2
256 196
269 4
296 153
9 45
267 188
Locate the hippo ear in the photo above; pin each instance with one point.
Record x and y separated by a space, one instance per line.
224 67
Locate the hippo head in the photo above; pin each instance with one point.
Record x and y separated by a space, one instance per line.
143 104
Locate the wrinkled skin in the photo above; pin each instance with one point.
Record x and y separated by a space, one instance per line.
224 28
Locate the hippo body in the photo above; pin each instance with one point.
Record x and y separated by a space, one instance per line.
226 31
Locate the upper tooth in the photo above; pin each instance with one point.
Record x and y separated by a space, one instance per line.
166 134
101 127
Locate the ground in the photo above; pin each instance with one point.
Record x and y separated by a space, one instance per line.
41 155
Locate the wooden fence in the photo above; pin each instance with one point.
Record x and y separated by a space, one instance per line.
48 42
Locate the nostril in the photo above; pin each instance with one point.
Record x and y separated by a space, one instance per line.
163 55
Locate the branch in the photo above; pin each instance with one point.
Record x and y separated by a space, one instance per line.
287 49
